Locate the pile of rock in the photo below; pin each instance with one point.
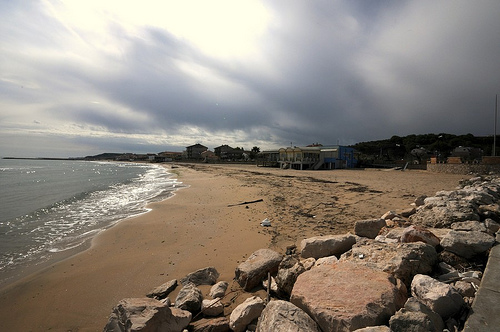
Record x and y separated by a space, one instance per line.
416 270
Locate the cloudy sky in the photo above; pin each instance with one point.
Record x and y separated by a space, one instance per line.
84 77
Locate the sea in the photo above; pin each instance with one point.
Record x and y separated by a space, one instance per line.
51 206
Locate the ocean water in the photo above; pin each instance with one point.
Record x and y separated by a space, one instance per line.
49 206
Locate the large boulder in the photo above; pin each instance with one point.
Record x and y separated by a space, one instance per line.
402 260
205 276
328 245
163 290
283 316
346 296
245 313
369 228
250 273
189 298
438 296
146 314
467 244
289 269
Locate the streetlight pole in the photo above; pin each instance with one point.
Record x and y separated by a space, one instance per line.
495 136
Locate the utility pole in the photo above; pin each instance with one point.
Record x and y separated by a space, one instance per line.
495 136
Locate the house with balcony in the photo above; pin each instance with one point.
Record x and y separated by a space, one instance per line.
313 157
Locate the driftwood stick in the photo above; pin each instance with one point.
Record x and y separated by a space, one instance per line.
249 202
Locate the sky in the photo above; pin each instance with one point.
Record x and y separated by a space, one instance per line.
79 78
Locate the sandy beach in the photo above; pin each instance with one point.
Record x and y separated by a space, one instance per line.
196 228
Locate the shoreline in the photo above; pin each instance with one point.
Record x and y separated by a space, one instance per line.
44 259
195 228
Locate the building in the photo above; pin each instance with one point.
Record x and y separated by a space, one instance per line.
311 157
195 151
225 152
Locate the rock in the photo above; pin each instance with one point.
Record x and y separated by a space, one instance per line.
404 321
245 313
283 316
189 298
441 212
146 314
326 261
369 228
274 286
416 316
490 211
402 260
308 263
212 307
288 271
491 226
163 290
438 296
250 273
346 296
467 244
381 328
389 215
220 324
470 225
465 288
406 213
205 276
452 259
416 233
420 200
219 289
328 245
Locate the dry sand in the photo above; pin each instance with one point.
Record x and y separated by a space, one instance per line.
196 228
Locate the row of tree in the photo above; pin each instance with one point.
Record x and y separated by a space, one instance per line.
412 147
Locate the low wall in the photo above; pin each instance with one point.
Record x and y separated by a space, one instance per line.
464 168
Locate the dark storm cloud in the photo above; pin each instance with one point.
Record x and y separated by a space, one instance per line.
323 71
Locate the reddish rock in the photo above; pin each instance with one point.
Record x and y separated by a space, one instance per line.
419 234
347 296
250 273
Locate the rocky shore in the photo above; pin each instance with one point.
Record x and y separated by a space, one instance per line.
414 269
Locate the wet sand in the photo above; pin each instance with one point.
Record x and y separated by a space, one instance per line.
196 228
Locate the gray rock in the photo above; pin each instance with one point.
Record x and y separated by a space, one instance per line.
163 290
189 298
467 244
250 273
245 313
420 200
438 296
491 226
402 260
212 307
408 321
146 314
470 225
219 289
371 227
465 288
205 276
328 245
441 212
308 263
288 271
283 316
346 296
